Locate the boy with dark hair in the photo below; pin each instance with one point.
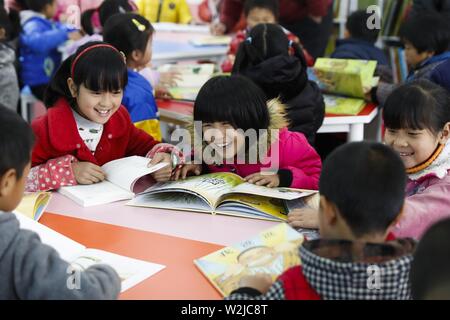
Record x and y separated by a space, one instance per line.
426 38
430 271
361 195
257 12
359 42
39 42
30 269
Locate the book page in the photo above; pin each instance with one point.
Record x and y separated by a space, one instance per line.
67 248
255 207
209 186
272 251
278 193
171 200
131 271
211 41
126 171
96 194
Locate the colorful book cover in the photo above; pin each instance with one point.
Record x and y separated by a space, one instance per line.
348 77
273 251
33 204
343 105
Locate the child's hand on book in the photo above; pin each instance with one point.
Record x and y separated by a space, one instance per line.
261 282
304 218
87 172
186 169
165 173
267 180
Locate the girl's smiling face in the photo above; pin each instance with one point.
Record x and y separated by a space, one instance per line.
414 146
95 106
224 138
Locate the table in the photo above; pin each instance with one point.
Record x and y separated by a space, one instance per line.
178 112
169 237
169 47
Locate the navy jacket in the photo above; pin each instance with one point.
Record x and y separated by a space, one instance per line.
358 49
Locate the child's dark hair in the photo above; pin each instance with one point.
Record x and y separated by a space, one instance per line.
101 68
107 9
366 182
38 5
271 5
357 26
268 41
427 32
128 32
417 105
232 99
16 142
430 269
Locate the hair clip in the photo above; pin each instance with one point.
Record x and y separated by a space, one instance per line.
249 39
138 25
291 43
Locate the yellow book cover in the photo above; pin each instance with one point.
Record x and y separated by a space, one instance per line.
273 251
348 77
343 105
33 204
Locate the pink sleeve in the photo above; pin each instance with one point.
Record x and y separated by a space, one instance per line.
423 210
303 161
53 174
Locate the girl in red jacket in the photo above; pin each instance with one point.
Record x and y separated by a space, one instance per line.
86 125
243 133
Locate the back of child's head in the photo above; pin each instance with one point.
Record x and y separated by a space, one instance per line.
96 65
38 5
427 32
128 32
266 43
107 9
232 99
358 28
16 142
270 5
430 270
366 182
417 105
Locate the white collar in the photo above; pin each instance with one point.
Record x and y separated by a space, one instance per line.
438 168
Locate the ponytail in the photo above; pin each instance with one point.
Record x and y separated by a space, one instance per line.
86 21
247 55
58 85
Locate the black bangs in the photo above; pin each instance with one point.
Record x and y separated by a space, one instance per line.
102 69
235 100
418 105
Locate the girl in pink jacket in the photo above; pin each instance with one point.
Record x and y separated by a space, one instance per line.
417 120
236 130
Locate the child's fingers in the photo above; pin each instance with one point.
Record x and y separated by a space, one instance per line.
159 157
297 224
184 172
251 176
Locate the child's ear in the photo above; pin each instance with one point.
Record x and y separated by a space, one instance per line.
72 87
347 34
329 211
7 182
2 34
445 134
136 55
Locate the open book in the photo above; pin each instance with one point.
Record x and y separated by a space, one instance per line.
192 78
346 82
33 204
222 193
272 251
131 271
124 178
